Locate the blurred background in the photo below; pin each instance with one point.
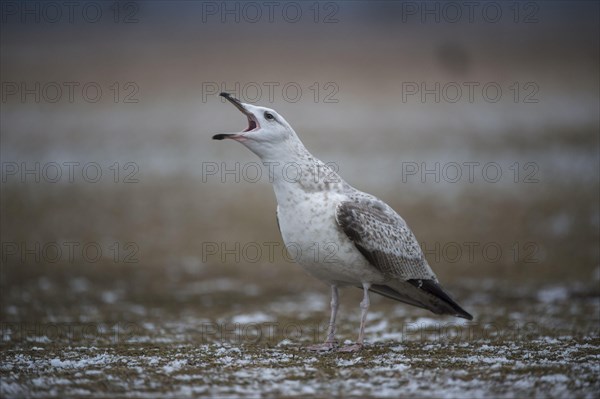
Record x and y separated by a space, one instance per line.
477 123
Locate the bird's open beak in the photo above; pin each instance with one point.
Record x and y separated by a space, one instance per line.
252 121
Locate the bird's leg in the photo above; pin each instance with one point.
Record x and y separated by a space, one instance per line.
334 308
330 342
364 308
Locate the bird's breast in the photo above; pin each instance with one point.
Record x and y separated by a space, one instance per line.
315 241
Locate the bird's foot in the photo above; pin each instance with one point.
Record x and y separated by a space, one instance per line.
324 347
351 348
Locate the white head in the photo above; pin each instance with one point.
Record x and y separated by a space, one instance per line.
268 135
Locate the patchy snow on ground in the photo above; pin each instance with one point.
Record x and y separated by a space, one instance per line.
544 366
545 346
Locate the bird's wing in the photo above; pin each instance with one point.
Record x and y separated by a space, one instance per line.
383 237
277 217
385 240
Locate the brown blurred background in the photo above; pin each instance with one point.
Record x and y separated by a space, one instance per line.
176 218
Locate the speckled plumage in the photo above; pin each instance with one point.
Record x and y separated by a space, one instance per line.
372 243
338 234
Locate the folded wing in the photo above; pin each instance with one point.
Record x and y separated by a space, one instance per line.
385 240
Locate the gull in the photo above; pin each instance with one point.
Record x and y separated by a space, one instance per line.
360 241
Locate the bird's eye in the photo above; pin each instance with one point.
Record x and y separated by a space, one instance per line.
269 116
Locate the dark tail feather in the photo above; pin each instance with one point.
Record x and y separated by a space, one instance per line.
391 293
433 288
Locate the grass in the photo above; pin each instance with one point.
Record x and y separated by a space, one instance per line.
180 321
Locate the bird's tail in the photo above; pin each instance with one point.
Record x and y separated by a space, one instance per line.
426 294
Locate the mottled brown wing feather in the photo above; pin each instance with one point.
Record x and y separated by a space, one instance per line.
383 237
385 240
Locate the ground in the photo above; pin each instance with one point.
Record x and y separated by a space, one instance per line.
205 332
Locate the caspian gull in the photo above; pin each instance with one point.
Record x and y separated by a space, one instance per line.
369 245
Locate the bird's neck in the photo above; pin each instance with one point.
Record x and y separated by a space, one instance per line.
293 170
